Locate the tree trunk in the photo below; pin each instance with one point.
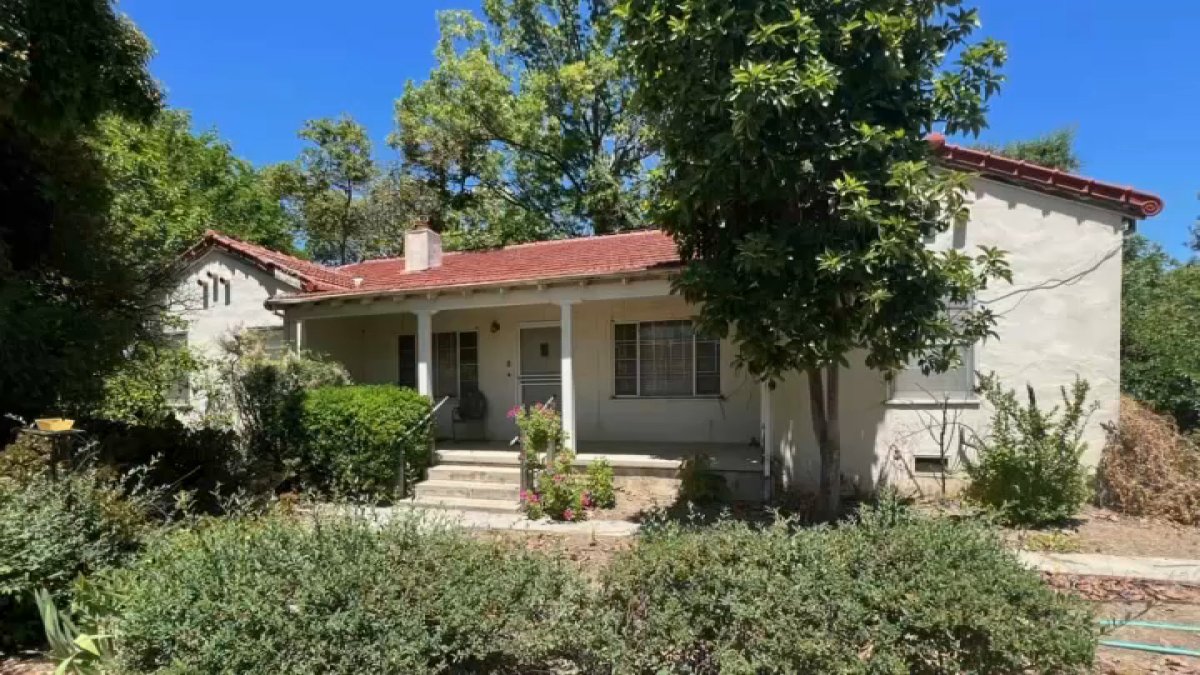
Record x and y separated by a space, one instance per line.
823 401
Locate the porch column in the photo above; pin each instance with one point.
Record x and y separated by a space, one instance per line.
425 351
567 405
766 419
297 335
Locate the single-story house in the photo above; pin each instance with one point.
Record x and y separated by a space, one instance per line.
592 322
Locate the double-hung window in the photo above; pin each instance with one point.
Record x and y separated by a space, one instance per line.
956 384
455 363
665 359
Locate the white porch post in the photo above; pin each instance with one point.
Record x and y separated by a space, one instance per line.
297 335
567 404
766 415
425 351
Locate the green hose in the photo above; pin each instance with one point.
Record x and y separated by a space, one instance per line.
1150 624
1141 646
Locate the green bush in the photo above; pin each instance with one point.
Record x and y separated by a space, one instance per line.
600 492
1028 470
53 529
699 483
895 593
273 595
355 438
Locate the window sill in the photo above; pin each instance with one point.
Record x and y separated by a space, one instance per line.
932 402
713 397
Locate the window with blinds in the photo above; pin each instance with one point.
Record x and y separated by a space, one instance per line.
956 384
455 363
665 359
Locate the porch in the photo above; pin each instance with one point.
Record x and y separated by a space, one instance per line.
628 458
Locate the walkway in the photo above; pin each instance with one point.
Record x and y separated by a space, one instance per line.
517 522
1173 570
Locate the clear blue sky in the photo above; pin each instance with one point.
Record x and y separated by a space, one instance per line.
1124 74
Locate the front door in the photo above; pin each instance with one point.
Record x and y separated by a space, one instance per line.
541 364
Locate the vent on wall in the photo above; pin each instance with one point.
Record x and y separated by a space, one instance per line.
930 464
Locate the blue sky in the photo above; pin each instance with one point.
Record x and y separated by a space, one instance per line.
257 69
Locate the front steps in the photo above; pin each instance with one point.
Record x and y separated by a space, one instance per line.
472 480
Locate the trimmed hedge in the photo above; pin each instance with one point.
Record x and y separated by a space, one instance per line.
355 438
273 595
895 593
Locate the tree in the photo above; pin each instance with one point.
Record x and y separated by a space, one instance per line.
1160 331
70 301
524 126
325 188
1055 150
170 185
798 186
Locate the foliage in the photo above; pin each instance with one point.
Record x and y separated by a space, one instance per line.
523 130
600 492
170 185
138 391
70 295
75 652
339 595
54 527
559 493
325 188
540 426
267 392
893 593
797 182
699 483
1148 468
1055 150
1028 468
357 438
1160 332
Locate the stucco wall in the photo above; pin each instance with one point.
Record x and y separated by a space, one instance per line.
368 347
1059 318
249 289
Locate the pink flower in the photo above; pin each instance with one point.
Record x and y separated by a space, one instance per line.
569 514
586 499
512 414
558 478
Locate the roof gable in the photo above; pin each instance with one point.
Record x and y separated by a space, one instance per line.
312 276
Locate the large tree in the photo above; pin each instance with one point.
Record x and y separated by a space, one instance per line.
797 181
170 184
69 300
523 128
326 188
1055 150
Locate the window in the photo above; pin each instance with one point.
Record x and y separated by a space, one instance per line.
455 363
956 384
930 464
665 359
179 392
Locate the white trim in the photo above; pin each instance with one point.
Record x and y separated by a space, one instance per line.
612 376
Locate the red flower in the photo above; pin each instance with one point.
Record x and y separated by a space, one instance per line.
512 414
569 514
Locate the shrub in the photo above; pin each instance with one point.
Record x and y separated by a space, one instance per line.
539 425
699 483
53 530
895 593
1148 468
599 486
1028 470
275 595
267 393
358 436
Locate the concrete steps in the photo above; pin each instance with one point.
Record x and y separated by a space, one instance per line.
472 480
460 504
468 489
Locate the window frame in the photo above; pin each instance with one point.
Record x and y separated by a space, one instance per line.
637 376
968 398
458 361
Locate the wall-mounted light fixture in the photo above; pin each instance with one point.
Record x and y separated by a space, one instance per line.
495 327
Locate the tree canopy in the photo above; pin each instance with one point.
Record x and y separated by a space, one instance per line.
523 130
1160 331
70 301
1055 150
797 182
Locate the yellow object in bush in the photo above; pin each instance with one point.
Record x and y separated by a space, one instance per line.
54 424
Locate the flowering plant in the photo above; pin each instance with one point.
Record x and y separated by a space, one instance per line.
560 493
540 425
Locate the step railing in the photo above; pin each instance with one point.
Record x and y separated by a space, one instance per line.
421 424
526 470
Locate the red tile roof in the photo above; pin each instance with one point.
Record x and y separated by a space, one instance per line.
1035 177
313 277
625 253
630 252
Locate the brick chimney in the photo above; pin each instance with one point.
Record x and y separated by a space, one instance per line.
422 248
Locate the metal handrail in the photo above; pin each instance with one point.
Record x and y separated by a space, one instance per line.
526 478
421 424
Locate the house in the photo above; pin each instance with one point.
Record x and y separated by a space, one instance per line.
592 322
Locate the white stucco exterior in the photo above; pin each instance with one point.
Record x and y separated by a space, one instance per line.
1060 318
242 290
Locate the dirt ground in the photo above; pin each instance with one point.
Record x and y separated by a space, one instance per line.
637 497
1102 531
29 665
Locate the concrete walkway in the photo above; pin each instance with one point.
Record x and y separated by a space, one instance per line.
516 522
1172 570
